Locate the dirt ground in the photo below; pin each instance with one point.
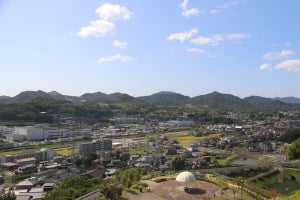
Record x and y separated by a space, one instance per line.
173 190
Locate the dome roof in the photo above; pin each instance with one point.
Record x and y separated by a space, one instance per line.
185 177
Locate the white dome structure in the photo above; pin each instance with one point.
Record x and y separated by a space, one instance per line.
185 177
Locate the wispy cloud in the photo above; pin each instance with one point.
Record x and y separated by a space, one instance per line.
265 67
183 36
216 39
278 55
117 57
289 65
110 12
228 4
201 51
215 11
119 44
96 28
196 50
190 12
237 36
184 4
219 8
212 41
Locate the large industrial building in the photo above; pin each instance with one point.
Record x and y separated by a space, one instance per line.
36 133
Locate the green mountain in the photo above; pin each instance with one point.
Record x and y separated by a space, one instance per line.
59 96
28 95
266 104
166 98
4 98
223 102
292 100
215 100
97 96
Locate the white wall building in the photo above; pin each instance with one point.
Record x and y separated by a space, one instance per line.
50 134
36 133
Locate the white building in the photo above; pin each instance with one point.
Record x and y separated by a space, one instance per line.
26 133
50 134
36 133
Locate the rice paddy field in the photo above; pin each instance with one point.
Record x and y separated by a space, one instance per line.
185 139
67 151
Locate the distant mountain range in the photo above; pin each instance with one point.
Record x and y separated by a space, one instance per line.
214 100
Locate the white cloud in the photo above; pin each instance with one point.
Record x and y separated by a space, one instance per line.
212 41
196 50
96 28
108 11
219 8
184 4
217 38
190 12
237 36
265 67
289 65
117 57
201 51
119 44
183 36
214 11
278 55
227 4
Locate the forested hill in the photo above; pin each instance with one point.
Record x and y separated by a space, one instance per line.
166 98
122 101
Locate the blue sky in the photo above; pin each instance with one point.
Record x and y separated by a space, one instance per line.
140 47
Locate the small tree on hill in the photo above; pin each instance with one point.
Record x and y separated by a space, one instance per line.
178 163
294 150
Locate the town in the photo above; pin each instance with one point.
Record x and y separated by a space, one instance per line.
36 159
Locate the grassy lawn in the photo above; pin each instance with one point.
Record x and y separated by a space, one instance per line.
286 187
270 182
185 139
264 158
38 147
288 172
16 123
226 161
263 182
297 163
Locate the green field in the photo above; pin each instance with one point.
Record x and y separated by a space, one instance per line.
297 163
270 181
265 181
185 139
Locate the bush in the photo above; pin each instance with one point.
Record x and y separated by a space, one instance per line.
161 179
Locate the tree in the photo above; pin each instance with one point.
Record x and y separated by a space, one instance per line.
178 163
128 176
290 136
74 188
7 196
294 150
112 191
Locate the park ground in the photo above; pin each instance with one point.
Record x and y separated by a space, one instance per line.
174 190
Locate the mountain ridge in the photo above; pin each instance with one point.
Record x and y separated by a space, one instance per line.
214 100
